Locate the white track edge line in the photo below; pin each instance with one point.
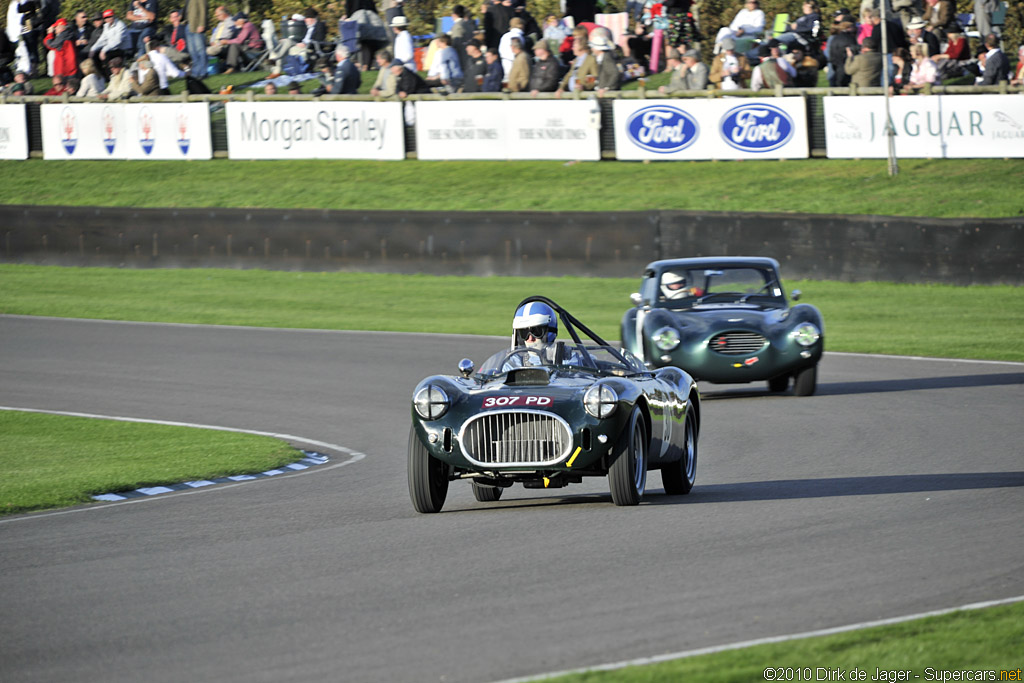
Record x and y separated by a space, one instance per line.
353 456
642 661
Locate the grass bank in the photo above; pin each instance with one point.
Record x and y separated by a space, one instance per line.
49 461
876 317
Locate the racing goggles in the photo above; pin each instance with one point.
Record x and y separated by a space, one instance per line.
537 332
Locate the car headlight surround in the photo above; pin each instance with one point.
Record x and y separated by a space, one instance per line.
600 401
806 334
431 402
665 338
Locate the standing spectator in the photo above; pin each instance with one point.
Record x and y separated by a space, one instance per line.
475 67
384 86
222 32
6 58
404 51
501 16
806 67
748 22
774 70
445 74
608 75
804 29
195 35
997 67
546 70
119 85
902 64
918 33
582 63
843 38
92 83
97 30
316 33
555 30
494 74
865 69
923 71
1018 74
894 29
983 10
940 18
515 32
461 33
113 41
519 73
141 16
581 10
346 76
60 40
407 81
243 47
81 32
729 70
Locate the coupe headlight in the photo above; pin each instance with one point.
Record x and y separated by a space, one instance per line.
600 401
806 334
431 402
666 338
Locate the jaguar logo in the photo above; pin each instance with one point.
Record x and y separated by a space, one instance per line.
662 129
756 127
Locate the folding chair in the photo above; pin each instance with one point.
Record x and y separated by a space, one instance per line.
269 35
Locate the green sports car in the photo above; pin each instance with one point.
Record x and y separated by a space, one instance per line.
725 320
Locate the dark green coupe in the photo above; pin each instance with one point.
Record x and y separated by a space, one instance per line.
725 320
549 416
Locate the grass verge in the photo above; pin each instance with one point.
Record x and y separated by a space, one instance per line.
875 317
49 461
934 648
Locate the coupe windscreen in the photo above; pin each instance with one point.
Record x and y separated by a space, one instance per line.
690 287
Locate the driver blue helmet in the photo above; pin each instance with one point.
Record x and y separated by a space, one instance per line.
534 325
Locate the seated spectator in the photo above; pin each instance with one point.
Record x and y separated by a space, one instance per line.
515 31
843 37
546 71
162 64
902 64
1018 74
222 32
346 78
688 72
173 38
113 40
119 85
81 34
495 74
956 46
316 33
141 18
519 74
445 74
60 40
923 71
294 88
475 67
806 67
729 70
555 29
918 34
270 88
608 75
804 29
384 86
245 45
748 23
60 86
408 82
940 17
92 83
144 80
774 69
865 69
582 63
20 86
996 66
97 23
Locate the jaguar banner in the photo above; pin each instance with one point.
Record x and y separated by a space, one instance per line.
13 132
728 128
926 126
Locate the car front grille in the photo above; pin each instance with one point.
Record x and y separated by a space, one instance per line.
737 343
516 437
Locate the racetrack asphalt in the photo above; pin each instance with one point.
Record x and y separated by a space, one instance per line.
898 489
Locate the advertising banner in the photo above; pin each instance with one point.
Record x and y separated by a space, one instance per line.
315 130
926 126
126 131
13 132
729 128
509 129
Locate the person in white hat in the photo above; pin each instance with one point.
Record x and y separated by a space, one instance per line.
403 42
608 74
918 34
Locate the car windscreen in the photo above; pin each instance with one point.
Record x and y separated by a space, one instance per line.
688 287
598 358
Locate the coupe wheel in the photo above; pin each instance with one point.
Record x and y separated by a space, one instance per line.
627 477
806 381
486 494
679 476
428 477
778 384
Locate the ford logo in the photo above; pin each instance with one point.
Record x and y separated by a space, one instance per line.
662 129
757 127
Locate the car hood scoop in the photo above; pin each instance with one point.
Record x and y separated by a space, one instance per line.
528 377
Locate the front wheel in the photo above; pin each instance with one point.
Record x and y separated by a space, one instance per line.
806 381
428 477
627 477
678 477
486 494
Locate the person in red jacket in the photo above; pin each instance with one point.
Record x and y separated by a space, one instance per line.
61 40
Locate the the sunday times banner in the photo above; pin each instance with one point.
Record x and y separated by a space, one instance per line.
728 128
508 129
315 130
126 131
926 126
13 132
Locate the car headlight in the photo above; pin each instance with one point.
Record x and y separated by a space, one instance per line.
806 334
431 402
666 338
600 401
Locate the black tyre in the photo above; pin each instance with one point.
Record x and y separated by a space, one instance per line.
486 494
428 477
627 477
778 384
806 381
679 476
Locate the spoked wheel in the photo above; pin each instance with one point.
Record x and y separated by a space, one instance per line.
679 476
778 384
806 381
627 477
486 494
428 477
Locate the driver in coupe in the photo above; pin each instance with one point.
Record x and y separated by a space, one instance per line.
674 286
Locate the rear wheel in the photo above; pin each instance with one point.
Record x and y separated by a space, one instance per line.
778 384
806 381
486 494
428 477
627 477
679 476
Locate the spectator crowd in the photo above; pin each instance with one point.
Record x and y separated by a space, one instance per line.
118 53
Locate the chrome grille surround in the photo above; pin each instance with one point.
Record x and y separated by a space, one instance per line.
737 343
512 438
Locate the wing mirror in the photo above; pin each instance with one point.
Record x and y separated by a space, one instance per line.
796 294
636 298
466 367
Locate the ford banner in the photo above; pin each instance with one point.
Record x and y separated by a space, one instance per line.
710 129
